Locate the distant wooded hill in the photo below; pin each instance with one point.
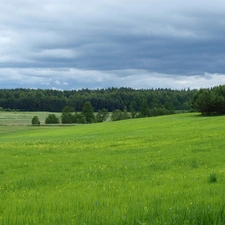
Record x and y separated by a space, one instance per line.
111 99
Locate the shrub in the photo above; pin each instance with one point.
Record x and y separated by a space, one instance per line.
82 120
102 115
125 114
68 118
35 120
117 115
52 119
68 115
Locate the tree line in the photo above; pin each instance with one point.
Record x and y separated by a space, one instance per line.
210 101
69 116
110 99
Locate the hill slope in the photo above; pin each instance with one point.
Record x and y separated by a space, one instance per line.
159 170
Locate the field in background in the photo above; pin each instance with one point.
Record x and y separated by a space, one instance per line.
161 170
22 118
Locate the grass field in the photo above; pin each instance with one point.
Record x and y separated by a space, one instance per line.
162 170
21 118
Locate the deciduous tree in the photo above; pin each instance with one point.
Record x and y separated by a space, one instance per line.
88 112
52 119
35 121
102 115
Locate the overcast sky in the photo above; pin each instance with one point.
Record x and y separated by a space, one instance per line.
71 44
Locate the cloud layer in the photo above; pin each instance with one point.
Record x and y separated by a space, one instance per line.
97 44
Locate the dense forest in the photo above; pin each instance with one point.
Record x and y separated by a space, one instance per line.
210 101
110 99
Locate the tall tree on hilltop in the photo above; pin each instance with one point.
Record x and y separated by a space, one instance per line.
88 112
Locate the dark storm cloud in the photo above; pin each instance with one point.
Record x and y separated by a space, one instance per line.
72 44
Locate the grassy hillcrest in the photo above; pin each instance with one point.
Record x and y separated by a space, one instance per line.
159 170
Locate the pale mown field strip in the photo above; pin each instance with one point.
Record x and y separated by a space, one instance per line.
22 118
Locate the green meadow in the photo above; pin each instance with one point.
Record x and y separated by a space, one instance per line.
160 170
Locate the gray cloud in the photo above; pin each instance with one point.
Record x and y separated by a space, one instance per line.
142 44
70 78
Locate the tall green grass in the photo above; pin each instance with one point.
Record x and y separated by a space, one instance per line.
143 171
